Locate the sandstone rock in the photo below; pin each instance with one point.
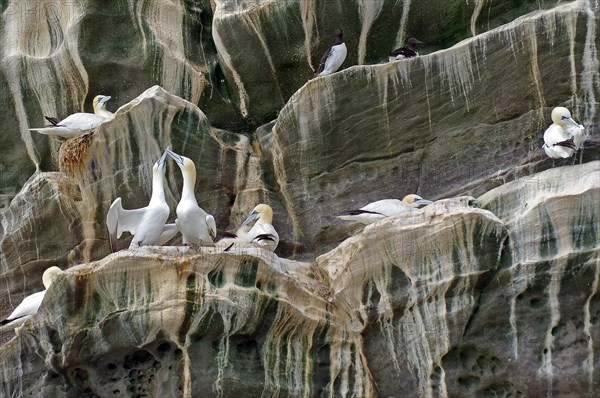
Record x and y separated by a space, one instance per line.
441 125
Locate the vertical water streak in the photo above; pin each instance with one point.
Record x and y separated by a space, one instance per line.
588 365
368 11
476 11
590 76
401 35
308 23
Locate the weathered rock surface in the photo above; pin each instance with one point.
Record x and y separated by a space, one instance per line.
451 301
441 125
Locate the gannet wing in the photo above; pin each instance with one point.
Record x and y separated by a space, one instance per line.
54 121
82 121
28 306
169 231
119 220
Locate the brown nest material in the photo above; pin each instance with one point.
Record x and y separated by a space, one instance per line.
73 153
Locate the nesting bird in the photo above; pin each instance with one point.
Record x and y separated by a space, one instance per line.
196 226
564 136
147 224
381 209
31 303
262 233
78 123
405 52
334 57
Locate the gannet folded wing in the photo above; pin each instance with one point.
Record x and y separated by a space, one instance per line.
31 303
564 136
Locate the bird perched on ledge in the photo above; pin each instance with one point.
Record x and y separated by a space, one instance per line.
147 224
381 209
197 227
31 303
262 233
78 123
334 57
405 52
564 136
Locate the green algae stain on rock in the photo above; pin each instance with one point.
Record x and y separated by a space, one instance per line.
246 275
216 278
191 295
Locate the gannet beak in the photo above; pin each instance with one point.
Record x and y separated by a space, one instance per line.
163 160
251 217
104 98
175 156
570 120
422 202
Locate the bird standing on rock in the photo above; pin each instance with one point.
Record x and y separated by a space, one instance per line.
409 51
197 227
77 123
564 136
147 224
334 57
31 303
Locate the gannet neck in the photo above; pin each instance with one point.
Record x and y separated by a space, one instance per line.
158 187
189 182
99 105
266 213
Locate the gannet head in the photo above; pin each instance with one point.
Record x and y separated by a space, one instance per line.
100 102
49 276
562 116
416 201
185 164
261 211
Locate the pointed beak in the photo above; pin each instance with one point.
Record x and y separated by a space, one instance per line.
163 160
422 202
104 99
570 120
175 156
251 217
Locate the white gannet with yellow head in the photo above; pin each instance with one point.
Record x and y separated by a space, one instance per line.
31 303
78 123
564 136
147 224
262 233
197 227
381 209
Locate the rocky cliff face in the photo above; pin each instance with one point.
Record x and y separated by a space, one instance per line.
494 296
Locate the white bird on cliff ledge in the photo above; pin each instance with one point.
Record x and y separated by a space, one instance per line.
77 123
147 224
564 136
197 227
381 209
334 57
31 303
262 233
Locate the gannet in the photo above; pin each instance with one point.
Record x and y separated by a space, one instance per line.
147 225
406 52
31 303
196 226
380 209
77 123
262 232
564 136
334 57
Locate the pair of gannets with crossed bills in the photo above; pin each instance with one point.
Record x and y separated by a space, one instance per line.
334 57
384 208
147 224
77 123
564 136
31 303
